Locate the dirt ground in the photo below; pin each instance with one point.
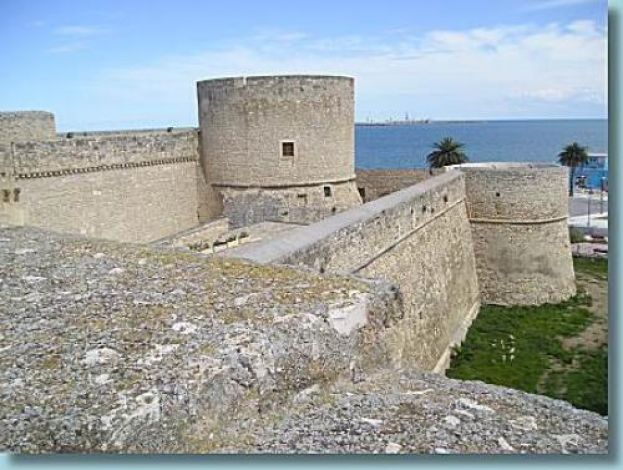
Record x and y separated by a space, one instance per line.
596 334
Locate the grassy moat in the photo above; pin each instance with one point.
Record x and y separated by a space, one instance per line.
558 350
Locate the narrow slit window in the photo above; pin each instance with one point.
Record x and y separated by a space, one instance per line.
287 149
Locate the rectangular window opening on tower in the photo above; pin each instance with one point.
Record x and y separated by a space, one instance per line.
287 149
327 191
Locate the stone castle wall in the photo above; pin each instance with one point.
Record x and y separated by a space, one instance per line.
10 210
259 359
375 183
518 214
302 204
84 154
134 188
245 123
18 126
418 239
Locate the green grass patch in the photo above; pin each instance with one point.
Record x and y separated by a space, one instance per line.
594 267
522 347
586 384
513 346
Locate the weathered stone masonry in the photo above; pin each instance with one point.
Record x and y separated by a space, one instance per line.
134 188
111 347
279 148
137 349
375 183
419 239
502 226
20 126
518 214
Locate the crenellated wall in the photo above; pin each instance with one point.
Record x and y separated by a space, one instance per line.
126 187
418 239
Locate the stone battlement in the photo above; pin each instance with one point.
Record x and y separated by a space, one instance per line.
102 152
130 187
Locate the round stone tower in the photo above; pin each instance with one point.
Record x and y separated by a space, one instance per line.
518 214
279 148
20 126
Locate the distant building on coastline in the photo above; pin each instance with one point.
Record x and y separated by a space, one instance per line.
594 174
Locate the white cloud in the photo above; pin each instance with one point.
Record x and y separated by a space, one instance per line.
482 72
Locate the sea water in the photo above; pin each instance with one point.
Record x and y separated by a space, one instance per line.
406 146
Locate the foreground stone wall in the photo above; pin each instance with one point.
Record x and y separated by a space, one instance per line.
19 126
418 239
518 213
135 188
123 348
131 346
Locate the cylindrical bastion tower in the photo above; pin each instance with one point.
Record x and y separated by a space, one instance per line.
518 214
279 148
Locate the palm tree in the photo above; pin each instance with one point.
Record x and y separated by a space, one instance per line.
573 155
447 152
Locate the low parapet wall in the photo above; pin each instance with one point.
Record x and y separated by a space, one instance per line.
128 187
419 239
120 132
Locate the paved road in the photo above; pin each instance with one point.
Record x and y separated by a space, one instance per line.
579 205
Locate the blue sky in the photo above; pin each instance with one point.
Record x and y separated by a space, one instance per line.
127 64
